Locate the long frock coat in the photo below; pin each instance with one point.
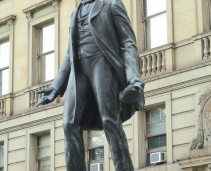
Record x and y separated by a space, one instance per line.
112 32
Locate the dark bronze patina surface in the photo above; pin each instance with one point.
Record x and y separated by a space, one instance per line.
100 75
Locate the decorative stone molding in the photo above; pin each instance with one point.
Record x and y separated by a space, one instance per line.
34 97
208 167
204 121
9 20
6 106
196 163
154 61
55 4
10 23
30 10
29 15
2 107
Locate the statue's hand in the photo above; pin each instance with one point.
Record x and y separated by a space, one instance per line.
49 95
137 82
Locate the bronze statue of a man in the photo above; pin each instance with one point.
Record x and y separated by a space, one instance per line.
101 61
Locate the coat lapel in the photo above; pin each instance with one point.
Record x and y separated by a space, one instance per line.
96 9
73 22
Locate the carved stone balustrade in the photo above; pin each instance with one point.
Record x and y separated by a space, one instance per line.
2 107
207 47
203 45
5 105
157 60
33 96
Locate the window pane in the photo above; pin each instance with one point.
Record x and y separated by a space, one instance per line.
97 153
43 140
156 121
156 115
155 6
43 152
4 82
156 128
96 138
44 164
4 55
157 31
157 142
49 67
48 38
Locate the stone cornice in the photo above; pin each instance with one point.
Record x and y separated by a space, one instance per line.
32 123
161 48
38 6
168 74
194 161
178 86
7 20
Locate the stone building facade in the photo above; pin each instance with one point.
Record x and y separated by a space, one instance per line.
174 41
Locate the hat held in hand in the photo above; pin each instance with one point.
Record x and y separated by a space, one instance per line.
133 94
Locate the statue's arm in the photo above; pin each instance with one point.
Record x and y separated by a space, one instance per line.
126 36
61 80
59 85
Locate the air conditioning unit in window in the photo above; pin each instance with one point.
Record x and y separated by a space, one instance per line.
96 167
156 158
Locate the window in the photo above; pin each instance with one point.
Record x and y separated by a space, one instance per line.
46 52
1 157
43 152
156 23
96 147
43 19
4 67
95 141
156 130
39 148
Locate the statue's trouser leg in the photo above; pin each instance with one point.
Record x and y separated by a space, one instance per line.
74 144
105 85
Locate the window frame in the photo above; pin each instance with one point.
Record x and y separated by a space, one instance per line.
154 150
7 33
143 27
7 67
89 148
32 134
37 147
40 14
159 149
2 145
4 141
146 20
40 55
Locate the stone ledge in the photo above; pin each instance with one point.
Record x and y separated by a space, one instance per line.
31 124
157 49
6 19
32 111
196 161
168 74
38 6
177 86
